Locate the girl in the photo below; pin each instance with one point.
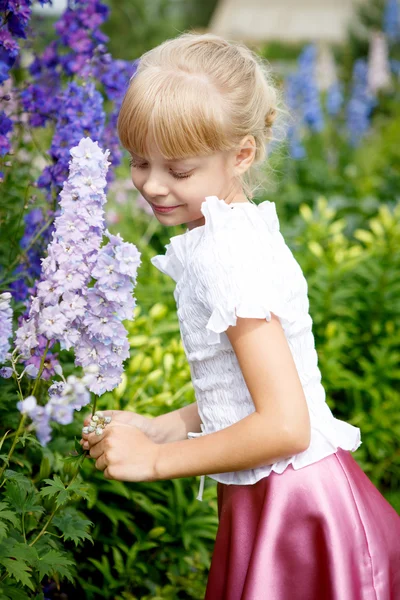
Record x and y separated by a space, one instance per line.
298 518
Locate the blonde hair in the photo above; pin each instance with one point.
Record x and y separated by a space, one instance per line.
197 94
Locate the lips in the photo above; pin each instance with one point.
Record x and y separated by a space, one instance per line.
165 207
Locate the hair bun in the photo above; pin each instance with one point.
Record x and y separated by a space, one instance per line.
270 117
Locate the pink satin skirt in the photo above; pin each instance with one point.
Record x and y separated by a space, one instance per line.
323 532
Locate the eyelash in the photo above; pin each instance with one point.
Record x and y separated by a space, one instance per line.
176 175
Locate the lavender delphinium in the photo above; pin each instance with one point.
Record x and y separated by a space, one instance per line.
82 113
66 308
6 315
293 101
391 20
14 19
60 300
303 99
110 301
79 51
334 98
64 398
311 103
360 104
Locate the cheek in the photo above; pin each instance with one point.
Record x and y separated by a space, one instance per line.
137 178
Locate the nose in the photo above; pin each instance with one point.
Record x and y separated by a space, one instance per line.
154 186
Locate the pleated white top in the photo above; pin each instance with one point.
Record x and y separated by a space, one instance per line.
238 264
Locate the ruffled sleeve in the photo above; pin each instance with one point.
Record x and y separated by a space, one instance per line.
171 263
239 274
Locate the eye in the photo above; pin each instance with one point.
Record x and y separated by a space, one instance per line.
181 175
135 165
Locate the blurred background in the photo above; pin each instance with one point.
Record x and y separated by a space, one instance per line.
334 177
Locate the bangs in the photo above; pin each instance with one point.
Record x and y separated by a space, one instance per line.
181 112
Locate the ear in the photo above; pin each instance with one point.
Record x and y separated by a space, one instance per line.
244 156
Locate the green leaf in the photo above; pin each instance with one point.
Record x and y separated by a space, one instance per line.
78 447
22 501
73 526
19 478
7 515
55 487
80 489
55 483
28 437
11 593
55 562
10 548
3 530
3 438
19 570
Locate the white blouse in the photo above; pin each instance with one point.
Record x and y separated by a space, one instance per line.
238 265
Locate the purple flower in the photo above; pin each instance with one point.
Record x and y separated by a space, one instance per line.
26 338
6 126
27 406
39 416
6 372
6 316
51 360
360 104
52 322
68 309
391 20
334 98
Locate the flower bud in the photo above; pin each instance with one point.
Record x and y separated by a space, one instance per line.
85 429
99 431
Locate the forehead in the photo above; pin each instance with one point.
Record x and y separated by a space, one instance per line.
158 156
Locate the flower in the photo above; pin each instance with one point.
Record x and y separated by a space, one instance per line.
28 405
361 103
6 372
67 307
6 315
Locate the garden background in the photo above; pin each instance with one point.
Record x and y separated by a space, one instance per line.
65 531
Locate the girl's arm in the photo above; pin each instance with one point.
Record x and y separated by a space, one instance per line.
175 425
280 425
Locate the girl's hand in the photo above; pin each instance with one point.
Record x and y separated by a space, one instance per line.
128 417
123 452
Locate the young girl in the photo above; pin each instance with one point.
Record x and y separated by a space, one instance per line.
298 518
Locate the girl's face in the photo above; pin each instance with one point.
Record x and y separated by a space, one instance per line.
184 184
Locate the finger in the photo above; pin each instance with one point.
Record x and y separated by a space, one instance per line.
87 432
91 423
101 463
96 450
93 438
106 473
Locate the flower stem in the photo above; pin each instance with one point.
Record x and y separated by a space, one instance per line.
40 368
17 434
23 416
94 405
55 509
